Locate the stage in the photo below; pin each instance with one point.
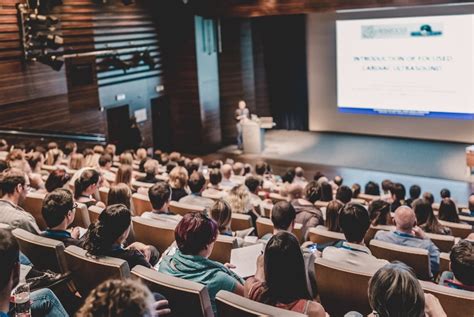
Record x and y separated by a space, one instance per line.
359 158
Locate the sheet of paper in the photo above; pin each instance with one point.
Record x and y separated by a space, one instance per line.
82 231
245 259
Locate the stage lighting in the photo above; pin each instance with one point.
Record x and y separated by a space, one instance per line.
52 41
52 61
47 20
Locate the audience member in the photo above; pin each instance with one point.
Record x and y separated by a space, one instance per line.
56 179
76 161
239 201
126 158
386 187
108 234
105 165
415 192
307 214
283 218
394 290
426 219
160 196
398 196
332 215
344 194
254 185
281 278
461 273
124 175
289 175
313 191
119 194
355 190
58 212
226 182
448 211
70 148
379 211
429 197
14 189
195 236
178 182
445 193
338 180
213 188
408 234
326 192
221 213
85 188
354 222
299 177
469 212
196 184
151 169
372 188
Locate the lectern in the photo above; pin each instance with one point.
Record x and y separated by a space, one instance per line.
253 134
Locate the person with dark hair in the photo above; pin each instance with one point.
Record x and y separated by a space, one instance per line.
213 188
379 212
415 192
326 192
196 184
372 188
394 290
289 175
58 212
108 235
43 301
299 177
354 222
426 219
448 211
307 214
195 236
398 196
429 197
338 180
344 194
85 187
318 175
281 278
105 165
254 184
3 165
56 179
461 271
283 217
333 210
355 190
445 193
386 186
14 189
312 191
160 197
119 194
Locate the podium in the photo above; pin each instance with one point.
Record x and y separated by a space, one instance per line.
253 134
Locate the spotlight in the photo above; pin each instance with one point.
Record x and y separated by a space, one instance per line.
52 41
47 20
52 61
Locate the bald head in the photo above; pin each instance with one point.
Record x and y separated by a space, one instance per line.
405 218
226 171
471 203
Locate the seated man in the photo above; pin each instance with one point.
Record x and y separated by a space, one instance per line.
14 189
58 212
160 195
213 189
151 169
306 212
408 234
43 301
354 222
196 184
461 274
105 165
254 184
226 182
470 212
283 219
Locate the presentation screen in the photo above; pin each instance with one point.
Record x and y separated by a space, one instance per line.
409 66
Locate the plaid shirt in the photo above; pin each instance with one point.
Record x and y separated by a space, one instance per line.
17 217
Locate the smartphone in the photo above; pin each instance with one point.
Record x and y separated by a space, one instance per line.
313 247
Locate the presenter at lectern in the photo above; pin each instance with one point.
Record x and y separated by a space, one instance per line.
241 114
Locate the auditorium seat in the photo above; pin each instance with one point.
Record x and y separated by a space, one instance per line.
267 210
182 209
321 204
373 230
211 196
81 218
444 261
240 222
368 198
159 234
136 184
322 236
232 305
222 249
186 298
467 219
89 271
455 302
103 194
44 253
276 197
94 212
443 242
265 226
416 258
141 204
342 288
33 204
460 230
359 201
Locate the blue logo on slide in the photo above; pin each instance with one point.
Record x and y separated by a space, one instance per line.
426 30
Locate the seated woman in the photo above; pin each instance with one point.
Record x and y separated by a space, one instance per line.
426 219
195 236
124 175
56 179
306 212
85 188
379 212
178 182
221 213
119 194
332 215
281 279
239 201
107 236
448 211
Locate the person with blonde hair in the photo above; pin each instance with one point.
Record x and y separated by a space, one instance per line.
178 181
126 158
239 201
123 298
77 161
124 175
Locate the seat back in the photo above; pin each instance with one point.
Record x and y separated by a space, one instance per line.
342 288
159 234
182 209
222 249
322 236
88 271
137 184
460 230
103 194
141 204
186 298
467 219
44 253
240 222
321 204
232 305
264 226
455 302
444 261
33 204
370 234
276 197
416 258
443 242
94 212
368 198
81 219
